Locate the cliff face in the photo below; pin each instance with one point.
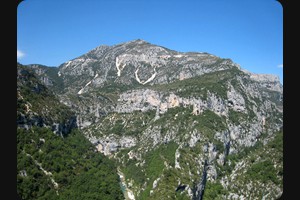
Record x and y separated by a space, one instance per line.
38 106
172 119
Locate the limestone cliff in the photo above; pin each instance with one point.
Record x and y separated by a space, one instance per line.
183 125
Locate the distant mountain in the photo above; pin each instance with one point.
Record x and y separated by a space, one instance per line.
182 125
139 62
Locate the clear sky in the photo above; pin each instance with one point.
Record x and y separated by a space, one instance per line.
250 32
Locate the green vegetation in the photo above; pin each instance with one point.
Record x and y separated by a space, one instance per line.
154 166
79 172
214 190
236 117
166 187
207 122
155 159
134 172
112 87
51 73
199 86
54 167
58 84
263 165
210 122
34 96
232 159
125 124
263 171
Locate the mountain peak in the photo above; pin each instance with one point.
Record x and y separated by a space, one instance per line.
138 61
140 41
133 42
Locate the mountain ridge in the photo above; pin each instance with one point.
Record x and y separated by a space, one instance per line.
143 67
170 119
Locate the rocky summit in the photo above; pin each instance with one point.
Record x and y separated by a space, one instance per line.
178 125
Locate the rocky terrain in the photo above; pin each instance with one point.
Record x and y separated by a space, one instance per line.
37 106
179 125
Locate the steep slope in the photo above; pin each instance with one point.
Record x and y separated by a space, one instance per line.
187 129
40 107
48 76
179 125
50 166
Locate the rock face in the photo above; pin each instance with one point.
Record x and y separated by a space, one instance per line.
37 106
170 118
136 62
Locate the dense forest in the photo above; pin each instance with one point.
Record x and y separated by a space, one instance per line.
52 167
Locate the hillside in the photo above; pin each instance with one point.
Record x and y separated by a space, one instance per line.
54 159
178 125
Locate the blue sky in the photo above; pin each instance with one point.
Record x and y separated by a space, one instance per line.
250 32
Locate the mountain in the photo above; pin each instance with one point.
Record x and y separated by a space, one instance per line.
139 62
180 125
